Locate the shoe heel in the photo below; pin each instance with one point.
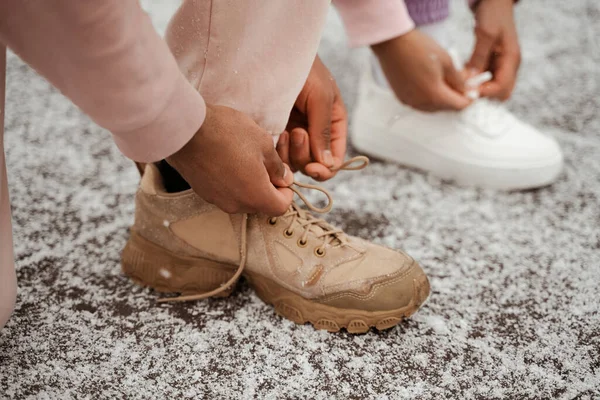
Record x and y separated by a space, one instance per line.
148 264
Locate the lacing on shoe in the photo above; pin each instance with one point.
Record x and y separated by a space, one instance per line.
304 220
490 116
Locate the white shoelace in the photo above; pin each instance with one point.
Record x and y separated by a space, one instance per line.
490 116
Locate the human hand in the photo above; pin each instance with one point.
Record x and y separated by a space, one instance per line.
422 73
496 47
231 163
315 139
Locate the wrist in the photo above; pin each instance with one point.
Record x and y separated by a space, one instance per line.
383 48
185 151
474 4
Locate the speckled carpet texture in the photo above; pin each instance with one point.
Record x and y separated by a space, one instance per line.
514 309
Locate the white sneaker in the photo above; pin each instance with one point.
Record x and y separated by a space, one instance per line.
483 145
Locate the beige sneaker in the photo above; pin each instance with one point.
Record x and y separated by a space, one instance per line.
309 270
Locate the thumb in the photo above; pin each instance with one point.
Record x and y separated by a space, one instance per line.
279 173
480 58
449 99
454 78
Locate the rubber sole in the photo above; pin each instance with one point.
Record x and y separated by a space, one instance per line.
300 310
153 266
376 142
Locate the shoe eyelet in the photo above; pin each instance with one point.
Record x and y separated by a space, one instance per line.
272 221
319 252
302 243
288 234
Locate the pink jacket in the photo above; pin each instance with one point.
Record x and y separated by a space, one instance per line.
373 21
84 47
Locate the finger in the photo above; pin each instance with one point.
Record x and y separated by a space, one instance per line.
288 176
263 197
339 137
447 98
297 119
276 201
286 195
339 130
506 67
279 174
454 78
319 172
299 149
484 43
319 110
283 148
261 194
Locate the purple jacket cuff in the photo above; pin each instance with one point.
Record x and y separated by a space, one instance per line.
425 12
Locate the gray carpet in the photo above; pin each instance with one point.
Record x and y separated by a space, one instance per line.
515 298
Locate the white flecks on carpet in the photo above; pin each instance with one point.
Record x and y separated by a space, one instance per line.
514 309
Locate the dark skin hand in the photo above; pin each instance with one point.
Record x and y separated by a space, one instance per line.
231 163
315 138
496 48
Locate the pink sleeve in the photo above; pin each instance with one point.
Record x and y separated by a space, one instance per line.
370 22
107 58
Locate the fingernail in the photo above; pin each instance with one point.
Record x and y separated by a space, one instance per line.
298 139
327 158
315 176
284 172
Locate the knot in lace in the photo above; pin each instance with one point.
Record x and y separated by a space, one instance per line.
490 116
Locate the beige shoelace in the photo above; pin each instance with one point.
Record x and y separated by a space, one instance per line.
304 220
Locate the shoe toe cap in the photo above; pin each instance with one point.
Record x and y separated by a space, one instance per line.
530 145
407 288
521 146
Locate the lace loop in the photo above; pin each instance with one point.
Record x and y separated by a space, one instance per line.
308 204
348 164
231 281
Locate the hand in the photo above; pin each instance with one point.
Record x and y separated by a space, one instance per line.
231 163
496 47
421 73
315 138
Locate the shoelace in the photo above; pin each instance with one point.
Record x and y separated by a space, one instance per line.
490 116
304 221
